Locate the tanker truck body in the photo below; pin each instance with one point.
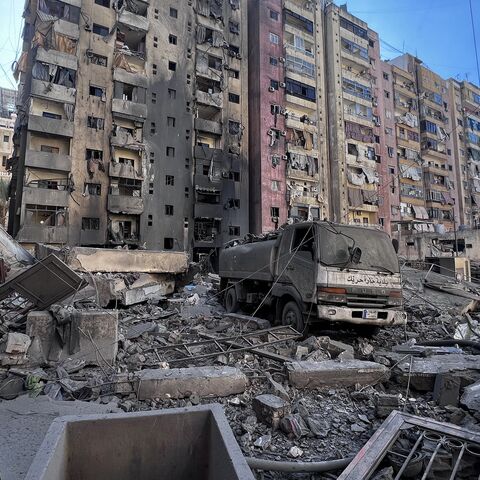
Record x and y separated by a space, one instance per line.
316 271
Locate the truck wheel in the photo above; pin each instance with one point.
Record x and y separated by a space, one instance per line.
291 315
231 301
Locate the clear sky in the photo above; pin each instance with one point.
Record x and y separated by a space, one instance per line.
437 31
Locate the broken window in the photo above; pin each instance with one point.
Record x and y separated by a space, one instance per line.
100 30
232 73
90 223
169 180
92 189
45 215
234 98
96 59
54 74
168 243
92 154
172 39
128 92
95 122
169 210
234 231
97 91
207 195
352 149
206 230
234 27
274 212
126 187
303 240
232 203
233 127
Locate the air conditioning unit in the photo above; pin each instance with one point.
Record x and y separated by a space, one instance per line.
271 89
271 132
283 134
282 84
281 59
284 157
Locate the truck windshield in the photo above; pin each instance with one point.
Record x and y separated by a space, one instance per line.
378 253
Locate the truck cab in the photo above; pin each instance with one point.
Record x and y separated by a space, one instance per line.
318 271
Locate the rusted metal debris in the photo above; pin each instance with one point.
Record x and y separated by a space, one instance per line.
252 341
407 446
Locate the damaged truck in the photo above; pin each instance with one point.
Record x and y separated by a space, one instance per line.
315 271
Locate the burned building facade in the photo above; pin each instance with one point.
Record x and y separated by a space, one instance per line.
132 125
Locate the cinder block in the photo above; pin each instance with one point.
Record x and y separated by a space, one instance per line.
270 409
332 373
182 382
98 333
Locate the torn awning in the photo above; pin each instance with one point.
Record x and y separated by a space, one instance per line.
420 212
447 198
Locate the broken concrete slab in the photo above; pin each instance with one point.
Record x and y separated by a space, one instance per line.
423 371
86 259
270 409
148 287
335 373
24 423
471 397
386 403
98 333
210 381
261 323
16 343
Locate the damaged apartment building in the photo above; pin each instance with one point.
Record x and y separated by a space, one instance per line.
288 150
132 126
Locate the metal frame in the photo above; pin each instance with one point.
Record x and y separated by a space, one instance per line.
373 452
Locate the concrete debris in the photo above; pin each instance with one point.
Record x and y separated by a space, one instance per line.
336 373
446 389
210 381
387 403
295 452
471 397
270 409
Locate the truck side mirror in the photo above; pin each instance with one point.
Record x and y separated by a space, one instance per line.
355 255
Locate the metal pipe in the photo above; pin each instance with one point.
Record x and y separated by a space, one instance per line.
410 455
432 458
292 467
457 463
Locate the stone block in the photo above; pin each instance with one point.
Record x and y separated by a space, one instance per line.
98 333
446 390
471 397
210 381
270 409
386 403
332 373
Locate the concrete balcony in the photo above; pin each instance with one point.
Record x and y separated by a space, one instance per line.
129 109
49 161
133 21
51 91
50 126
301 101
42 234
304 200
69 29
437 171
207 210
124 171
364 208
210 99
208 126
302 175
55 57
45 196
300 9
355 58
137 79
125 204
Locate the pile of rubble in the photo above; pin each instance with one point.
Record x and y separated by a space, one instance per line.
148 340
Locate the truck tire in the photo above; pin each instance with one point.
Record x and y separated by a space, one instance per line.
291 315
231 301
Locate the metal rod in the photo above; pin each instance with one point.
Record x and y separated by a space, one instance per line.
410 455
432 458
457 463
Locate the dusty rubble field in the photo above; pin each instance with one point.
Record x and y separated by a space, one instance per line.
324 423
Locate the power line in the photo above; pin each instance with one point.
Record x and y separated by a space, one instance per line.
474 41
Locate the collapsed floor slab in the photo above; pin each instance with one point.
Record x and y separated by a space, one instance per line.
210 381
332 373
86 259
98 337
181 444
